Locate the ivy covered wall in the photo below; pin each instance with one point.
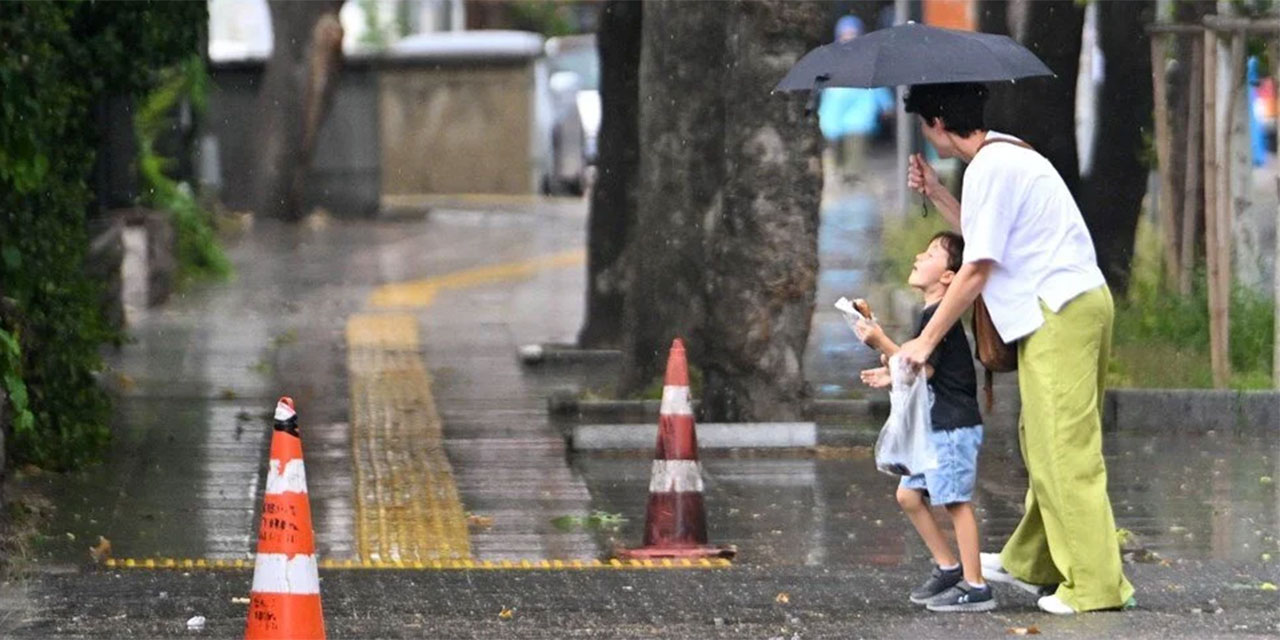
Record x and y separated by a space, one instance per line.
60 59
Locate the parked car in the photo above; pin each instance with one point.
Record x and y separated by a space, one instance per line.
573 66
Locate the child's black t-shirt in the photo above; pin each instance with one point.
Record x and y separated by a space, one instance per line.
954 382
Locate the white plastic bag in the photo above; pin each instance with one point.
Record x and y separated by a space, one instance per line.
904 447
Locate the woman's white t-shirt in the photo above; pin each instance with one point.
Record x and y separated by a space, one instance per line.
1017 212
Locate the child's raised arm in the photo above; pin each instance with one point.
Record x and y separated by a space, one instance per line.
871 334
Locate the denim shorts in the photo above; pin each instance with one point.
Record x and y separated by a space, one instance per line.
957 470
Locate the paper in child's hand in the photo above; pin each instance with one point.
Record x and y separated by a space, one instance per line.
851 313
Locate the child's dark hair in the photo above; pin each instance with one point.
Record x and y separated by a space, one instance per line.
959 105
954 244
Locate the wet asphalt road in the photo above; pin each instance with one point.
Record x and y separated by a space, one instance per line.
1185 601
184 475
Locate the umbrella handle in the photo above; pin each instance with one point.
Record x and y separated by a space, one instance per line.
812 104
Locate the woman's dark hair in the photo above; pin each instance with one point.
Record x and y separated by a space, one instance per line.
959 105
954 244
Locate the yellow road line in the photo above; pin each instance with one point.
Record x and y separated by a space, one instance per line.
407 504
432 565
421 293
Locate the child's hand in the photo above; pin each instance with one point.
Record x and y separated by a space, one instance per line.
877 378
869 333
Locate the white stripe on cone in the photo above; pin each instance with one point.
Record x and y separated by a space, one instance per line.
675 401
279 573
675 475
292 480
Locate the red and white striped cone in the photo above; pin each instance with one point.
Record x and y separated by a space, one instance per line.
675 520
285 599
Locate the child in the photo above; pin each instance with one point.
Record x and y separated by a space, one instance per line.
956 432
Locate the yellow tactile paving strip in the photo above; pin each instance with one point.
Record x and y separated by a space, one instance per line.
407 505
331 563
421 293
408 511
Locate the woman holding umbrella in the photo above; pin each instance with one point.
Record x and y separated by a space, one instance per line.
1028 252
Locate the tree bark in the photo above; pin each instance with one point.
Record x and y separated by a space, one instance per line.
682 177
1118 178
763 247
297 87
993 16
1043 109
725 242
613 197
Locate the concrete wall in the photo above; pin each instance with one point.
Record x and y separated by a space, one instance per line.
457 129
344 176
399 126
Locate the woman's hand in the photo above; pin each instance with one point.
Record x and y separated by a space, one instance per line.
915 353
921 177
877 378
869 333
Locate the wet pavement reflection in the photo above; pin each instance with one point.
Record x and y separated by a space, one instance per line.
184 474
1194 497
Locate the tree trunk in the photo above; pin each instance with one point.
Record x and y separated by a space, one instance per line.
613 197
1118 177
682 177
725 246
993 16
762 248
1043 110
296 90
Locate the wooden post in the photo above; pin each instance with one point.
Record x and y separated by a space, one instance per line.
1235 85
1212 185
1168 215
1191 205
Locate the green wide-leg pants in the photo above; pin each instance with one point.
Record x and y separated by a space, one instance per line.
1068 534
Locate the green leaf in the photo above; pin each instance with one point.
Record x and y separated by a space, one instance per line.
12 258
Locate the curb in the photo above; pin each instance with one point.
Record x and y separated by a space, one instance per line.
711 435
568 404
1190 410
552 352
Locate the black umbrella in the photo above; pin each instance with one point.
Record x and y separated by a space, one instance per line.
913 54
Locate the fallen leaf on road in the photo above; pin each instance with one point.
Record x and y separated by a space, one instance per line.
782 598
1267 586
479 521
1025 631
506 613
101 551
1265 480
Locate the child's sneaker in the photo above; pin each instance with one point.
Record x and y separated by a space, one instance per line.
939 581
964 598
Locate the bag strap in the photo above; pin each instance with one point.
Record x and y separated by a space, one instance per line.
988 387
1017 143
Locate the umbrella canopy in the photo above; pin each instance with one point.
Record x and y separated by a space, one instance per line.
913 54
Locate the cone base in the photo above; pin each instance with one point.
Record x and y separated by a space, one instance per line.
703 551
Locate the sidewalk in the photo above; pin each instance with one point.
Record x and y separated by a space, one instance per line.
398 342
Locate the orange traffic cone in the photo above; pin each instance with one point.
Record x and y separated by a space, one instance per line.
675 520
285 599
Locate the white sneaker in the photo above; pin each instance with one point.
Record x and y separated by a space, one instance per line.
1055 606
993 570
